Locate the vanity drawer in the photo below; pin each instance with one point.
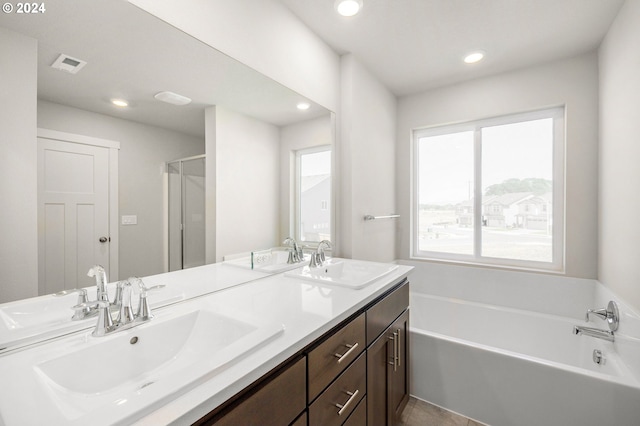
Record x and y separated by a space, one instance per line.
359 415
277 403
340 399
333 355
383 313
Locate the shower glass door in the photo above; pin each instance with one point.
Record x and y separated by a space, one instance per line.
186 180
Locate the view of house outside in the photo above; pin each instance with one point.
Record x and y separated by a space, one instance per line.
314 187
516 218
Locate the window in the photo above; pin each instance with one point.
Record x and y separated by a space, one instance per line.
313 192
491 191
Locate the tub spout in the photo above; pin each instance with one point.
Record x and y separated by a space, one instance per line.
593 332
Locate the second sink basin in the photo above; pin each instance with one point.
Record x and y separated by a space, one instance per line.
354 274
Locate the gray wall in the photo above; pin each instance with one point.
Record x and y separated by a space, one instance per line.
18 158
619 204
572 82
143 151
366 161
243 172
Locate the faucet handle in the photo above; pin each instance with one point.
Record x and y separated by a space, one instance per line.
144 310
82 294
126 310
610 314
105 322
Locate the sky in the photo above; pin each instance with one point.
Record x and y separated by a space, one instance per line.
519 150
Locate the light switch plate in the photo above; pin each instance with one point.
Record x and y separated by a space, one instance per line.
129 220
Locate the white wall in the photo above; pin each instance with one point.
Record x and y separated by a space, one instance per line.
246 191
263 35
572 82
143 151
619 205
18 159
366 161
295 137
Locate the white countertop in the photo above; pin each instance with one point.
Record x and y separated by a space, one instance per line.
24 321
306 310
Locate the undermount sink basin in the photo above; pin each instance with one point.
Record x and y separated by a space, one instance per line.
354 274
146 365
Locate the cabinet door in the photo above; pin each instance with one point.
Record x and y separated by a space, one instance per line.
387 374
398 389
377 363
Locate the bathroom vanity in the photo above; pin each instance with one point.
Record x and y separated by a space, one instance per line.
278 350
362 359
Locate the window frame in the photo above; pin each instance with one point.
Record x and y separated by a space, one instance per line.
297 205
557 263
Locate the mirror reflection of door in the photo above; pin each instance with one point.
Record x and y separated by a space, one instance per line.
186 187
73 213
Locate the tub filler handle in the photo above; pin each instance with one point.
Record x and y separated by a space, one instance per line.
610 314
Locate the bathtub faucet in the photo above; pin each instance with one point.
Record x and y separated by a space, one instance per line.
610 314
593 332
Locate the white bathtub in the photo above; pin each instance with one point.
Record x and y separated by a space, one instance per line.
512 367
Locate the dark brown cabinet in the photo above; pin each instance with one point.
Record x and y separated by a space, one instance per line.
387 361
354 375
279 400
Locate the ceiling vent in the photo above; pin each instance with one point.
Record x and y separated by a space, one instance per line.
172 98
68 64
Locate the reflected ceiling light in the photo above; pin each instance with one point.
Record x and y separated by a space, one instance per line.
120 103
474 57
172 98
348 7
303 106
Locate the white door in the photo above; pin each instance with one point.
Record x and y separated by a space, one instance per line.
73 213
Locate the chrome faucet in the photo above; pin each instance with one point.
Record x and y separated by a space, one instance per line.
84 308
318 258
594 332
610 314
100 274
295 251
126 318
82 298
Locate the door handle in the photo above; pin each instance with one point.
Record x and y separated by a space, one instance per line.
104 239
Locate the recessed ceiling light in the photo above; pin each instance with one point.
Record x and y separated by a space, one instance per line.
120 102
474 57
303 106
348 7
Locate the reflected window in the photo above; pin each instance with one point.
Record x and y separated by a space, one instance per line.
313 194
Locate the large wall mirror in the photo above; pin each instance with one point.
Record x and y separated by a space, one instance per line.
247 126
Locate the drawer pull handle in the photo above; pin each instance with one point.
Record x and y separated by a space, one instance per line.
352 396
341 357
399 348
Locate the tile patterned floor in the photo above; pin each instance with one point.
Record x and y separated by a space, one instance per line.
421 413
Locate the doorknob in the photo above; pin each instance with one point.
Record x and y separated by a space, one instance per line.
104 239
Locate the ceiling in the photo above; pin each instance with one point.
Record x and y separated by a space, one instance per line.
416 45
133 55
